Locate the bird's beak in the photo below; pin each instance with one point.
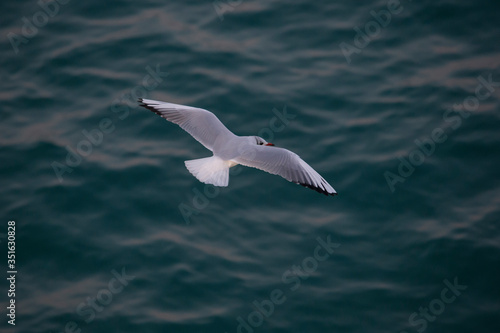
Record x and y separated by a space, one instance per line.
269 144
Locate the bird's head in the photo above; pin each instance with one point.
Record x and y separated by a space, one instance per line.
262 142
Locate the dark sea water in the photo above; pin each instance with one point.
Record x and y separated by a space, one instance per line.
396 105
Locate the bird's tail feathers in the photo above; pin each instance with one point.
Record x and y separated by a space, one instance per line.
210 170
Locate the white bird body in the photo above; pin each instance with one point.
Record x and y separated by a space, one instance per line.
230 150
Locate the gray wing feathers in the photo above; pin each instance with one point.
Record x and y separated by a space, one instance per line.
203 125
282 162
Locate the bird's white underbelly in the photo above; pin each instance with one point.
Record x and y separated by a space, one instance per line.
229 147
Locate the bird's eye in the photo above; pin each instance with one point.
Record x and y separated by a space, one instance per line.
261 143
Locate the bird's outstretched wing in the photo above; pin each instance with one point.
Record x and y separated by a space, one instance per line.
203 125
286 164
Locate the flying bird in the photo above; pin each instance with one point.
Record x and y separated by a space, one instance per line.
230 149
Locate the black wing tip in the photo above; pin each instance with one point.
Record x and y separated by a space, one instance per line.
147 106
141 103
318 189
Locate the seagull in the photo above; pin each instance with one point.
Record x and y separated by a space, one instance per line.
230 149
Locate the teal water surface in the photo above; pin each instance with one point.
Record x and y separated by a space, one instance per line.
396 104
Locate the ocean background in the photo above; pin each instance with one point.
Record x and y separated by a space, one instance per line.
411 218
